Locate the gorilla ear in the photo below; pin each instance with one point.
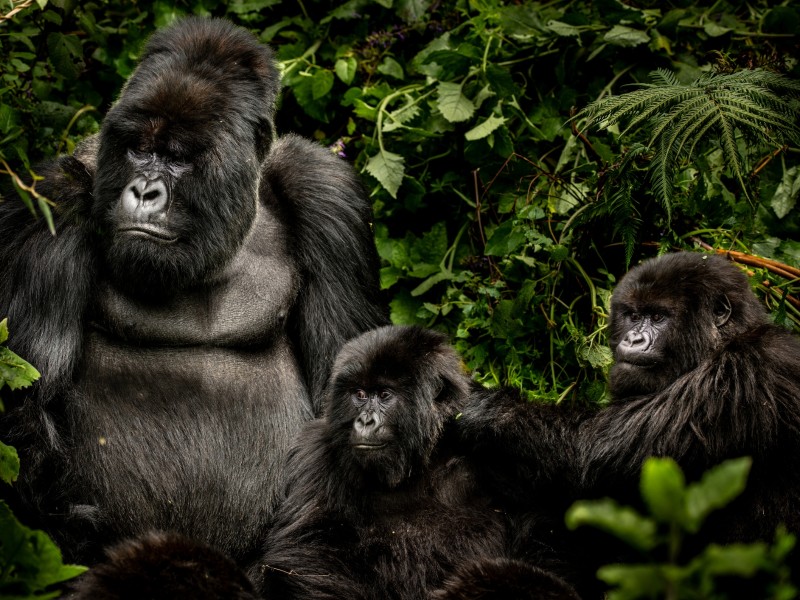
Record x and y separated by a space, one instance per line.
722 311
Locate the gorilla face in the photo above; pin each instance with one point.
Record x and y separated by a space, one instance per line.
180 157
670 313
392 391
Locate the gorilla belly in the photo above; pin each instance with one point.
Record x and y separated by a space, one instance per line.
190 438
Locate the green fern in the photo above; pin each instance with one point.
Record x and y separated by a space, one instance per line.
756 104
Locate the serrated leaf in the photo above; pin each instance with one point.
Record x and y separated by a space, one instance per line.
388 168
598 356
663 488
397 118
485 128
346 69
716 488
9 463
620 35
65 53
15 372
453 104
621 521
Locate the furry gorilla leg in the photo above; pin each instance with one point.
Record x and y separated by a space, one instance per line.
164 566
504 579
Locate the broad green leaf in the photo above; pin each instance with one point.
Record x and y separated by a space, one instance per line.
398 117
29 560
453 104
742 560
388 168
787 192
9 463
620 35
389 276
663 488
505 239
8 118
412 11
65 53
432 246
4 330
403 309
621 521
392 68
633 581
715 30
485 128
715 489
321 84
597 355
346 69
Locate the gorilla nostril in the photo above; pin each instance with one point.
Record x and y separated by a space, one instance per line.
144 197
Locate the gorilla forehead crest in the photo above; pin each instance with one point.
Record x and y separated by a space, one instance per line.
392 353
199 71
687 276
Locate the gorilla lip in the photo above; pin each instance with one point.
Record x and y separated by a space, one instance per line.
149 232
363 446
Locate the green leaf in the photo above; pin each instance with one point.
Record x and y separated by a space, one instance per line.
633 581
504 239
430 282
9 463
66 54
663 488
453 104
621 521
4 330
29 560
787 192
716 489
715 30
403 309
392 68
388 168
346 69
485 128
620 35
563 29
321 84
741 560
15 372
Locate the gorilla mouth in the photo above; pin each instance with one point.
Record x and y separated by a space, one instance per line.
149 231
367 446
639 363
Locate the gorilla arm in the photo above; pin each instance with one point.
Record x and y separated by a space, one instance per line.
330 217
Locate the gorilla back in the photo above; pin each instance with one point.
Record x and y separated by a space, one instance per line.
202 279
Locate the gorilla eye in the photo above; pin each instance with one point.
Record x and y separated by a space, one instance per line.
361 394
386 394
635 317
657 318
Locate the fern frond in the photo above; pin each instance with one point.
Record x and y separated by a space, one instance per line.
760 105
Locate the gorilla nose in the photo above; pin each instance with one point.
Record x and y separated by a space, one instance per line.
366 424
143 197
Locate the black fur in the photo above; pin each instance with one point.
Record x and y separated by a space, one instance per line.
387 522
718 381
163 566
504 579
202 279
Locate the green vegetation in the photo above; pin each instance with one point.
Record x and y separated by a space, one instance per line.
520 155
677 511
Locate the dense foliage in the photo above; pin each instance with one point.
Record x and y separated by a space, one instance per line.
501 216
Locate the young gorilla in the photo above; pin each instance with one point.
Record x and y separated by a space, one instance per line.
700 376
382 504
202 280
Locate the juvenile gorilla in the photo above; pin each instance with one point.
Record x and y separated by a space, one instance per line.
379 504
203 277
382 503
701 375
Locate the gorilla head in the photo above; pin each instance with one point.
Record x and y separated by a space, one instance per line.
670 312
392 389
180 155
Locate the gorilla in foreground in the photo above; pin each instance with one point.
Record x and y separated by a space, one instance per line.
202 279
700 375
383 503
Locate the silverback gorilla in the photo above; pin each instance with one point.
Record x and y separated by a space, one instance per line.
203 277
700 375
383 504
